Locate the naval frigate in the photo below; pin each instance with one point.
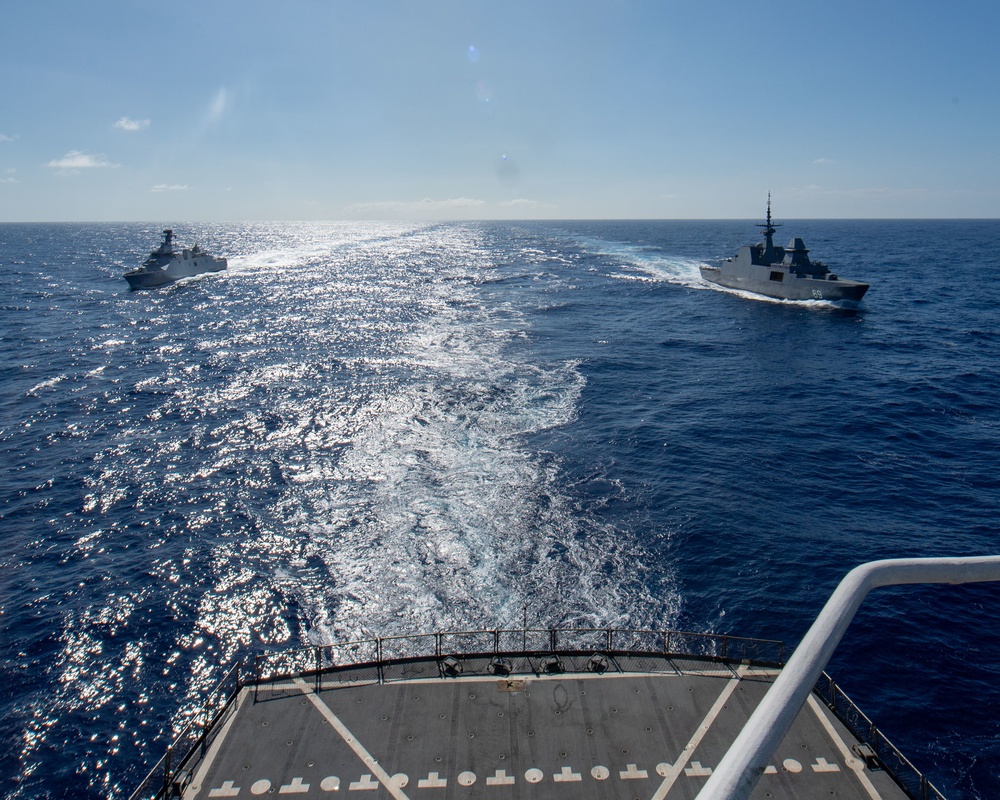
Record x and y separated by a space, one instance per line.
786 273
166 264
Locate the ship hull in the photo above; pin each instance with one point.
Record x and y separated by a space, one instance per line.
765 280
152 278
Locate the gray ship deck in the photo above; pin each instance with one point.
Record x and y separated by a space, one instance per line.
559 725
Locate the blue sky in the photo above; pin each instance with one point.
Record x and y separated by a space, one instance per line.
391 109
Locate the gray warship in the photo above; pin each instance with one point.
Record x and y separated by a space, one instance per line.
560 714
166 265
786 273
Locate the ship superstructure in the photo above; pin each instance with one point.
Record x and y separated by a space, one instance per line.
786 272
166 264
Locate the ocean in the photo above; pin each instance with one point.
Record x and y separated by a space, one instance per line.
368 429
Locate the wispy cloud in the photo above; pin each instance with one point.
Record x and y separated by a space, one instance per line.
169 187
129 124
77 159
822 161
523 202
5 138
8 176
219 105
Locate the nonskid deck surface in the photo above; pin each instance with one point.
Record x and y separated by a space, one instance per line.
648 728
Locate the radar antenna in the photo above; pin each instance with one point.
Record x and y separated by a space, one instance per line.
769 226
769 231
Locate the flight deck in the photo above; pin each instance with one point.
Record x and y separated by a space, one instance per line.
504 724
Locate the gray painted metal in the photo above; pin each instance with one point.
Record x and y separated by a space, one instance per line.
165 265
786 273
744 764
641 726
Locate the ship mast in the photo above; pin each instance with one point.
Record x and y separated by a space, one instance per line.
769 231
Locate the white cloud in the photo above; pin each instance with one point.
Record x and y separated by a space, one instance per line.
128 124
168 187
5 138
9 176
218 106
77 159
822 161
523 202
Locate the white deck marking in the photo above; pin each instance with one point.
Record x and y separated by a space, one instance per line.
699 734
295 787
432 781
365 784
822 765
331 783
466 778
566 775
534 775
632 773
500 779
600 773
791 765
351 741
696 770
227 789
856 765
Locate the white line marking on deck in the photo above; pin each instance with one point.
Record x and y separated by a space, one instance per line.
295 787
199 777
822 765
354 744
856 765
699 734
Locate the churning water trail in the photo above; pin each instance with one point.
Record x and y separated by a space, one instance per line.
333 439
373 429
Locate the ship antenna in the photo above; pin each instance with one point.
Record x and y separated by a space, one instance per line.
769 226
769 231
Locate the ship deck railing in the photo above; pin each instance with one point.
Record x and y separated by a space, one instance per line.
498 652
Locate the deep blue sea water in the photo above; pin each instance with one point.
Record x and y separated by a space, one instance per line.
369 429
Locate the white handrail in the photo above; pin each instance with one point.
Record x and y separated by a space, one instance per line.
745 761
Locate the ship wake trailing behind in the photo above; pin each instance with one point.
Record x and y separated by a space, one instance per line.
786 273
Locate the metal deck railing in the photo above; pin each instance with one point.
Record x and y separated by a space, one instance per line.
887 755
378 660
